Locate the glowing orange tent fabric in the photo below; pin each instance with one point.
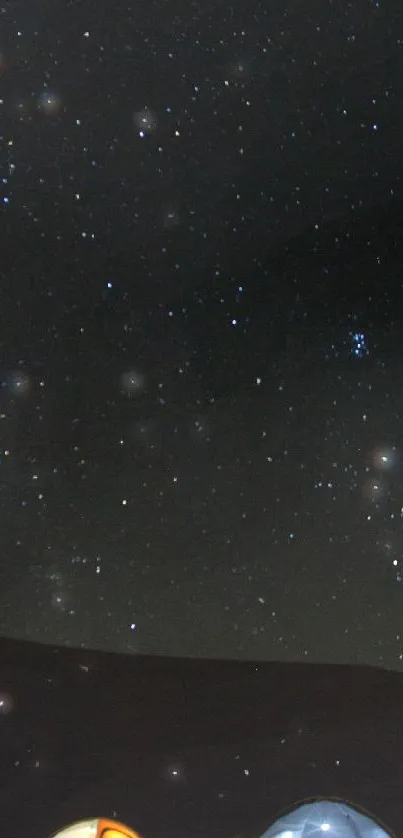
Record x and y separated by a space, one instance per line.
96 828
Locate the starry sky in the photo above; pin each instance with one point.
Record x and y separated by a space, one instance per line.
201 366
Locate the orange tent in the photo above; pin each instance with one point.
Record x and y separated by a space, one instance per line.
96 828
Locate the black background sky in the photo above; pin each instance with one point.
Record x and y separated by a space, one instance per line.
201 328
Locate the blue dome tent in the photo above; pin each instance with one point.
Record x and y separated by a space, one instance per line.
327 818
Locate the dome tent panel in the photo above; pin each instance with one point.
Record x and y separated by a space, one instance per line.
96 828
327 818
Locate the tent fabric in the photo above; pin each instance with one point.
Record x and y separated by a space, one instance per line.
327 818
96 828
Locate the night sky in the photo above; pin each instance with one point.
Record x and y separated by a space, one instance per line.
201 328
